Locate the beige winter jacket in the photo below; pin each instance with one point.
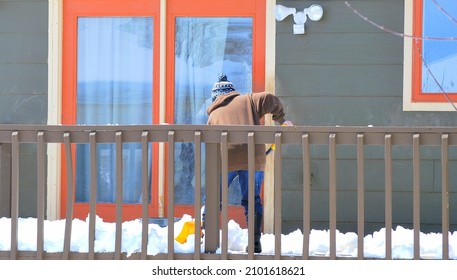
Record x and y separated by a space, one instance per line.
235 109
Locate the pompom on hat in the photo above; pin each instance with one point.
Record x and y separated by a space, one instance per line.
222 86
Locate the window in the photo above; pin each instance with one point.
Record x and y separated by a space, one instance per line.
110 55
114 86
209 39
205 47
431 63
112 63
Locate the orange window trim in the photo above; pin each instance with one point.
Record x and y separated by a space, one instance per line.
175 8
417 45
72 9
217 8
256 9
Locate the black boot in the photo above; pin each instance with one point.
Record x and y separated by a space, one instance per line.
202 215
257 233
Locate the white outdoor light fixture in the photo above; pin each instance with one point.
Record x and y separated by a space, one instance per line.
313 12
282 12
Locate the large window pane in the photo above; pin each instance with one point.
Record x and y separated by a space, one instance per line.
439 55
114 86
204 48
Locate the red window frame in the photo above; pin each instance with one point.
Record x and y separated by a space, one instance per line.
72 9
256 9
417 48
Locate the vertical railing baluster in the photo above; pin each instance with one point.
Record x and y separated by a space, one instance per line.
360 196
212 196
332 195
93 192
388 193
70 195
416 195
251 193
145 193
278 195
224 195
445 194
14 193
171 193
306 196
119 194
198 193
5 182
40 194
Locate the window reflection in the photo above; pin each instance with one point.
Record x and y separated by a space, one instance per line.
114 86
440 55
205 47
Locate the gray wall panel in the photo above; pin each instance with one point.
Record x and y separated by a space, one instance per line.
23 81
377 111
23 109
23 48
331 49
23 16
345 71
339 80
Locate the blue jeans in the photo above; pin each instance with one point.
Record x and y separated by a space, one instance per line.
244 185
243 177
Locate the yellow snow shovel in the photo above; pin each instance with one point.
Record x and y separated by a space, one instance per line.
187 229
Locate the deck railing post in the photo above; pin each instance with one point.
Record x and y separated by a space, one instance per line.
360 196
445 195
198 190
40 194
5 182
212 197
93 192
171 194
119 193
70 196
145 194
388 193
14 193
416 195
306 195
224 195
332 195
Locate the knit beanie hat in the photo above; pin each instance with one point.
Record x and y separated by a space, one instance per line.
222 86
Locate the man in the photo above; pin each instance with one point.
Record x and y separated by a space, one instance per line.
231 108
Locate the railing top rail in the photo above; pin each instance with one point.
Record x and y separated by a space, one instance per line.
212 134
114 127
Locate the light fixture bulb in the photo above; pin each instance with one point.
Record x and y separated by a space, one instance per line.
314 12
282 12
299 18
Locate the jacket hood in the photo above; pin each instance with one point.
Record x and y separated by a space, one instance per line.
222 100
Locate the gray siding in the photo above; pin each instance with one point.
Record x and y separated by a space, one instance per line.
345 71
23 80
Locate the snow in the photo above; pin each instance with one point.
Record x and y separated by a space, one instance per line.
291 244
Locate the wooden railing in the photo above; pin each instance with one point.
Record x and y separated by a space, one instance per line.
216 140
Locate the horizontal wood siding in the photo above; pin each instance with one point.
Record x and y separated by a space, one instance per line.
23 82
345 71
